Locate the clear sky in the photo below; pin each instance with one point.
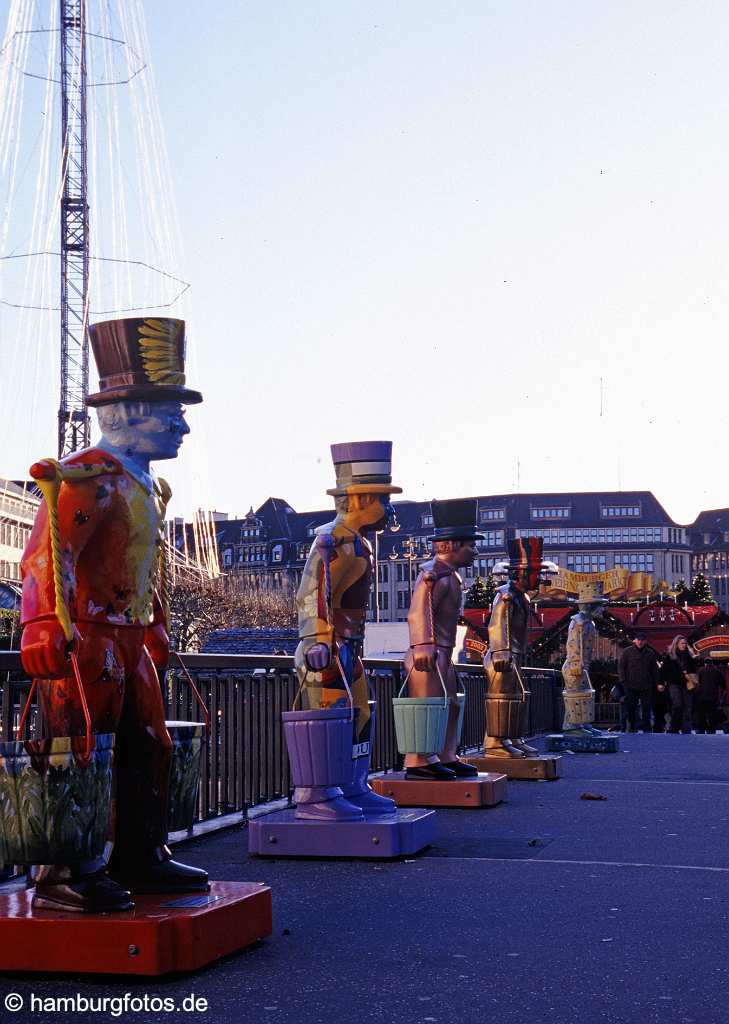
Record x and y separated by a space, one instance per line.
495 233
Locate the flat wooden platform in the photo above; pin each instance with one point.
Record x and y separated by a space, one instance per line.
161 935
546 766
487 790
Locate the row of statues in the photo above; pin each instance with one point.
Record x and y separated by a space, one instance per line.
95 596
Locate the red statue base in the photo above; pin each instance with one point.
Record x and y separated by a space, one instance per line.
164 933
485 790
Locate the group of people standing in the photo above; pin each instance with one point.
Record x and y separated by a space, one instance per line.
681 683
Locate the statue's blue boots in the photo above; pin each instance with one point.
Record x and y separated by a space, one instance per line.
358 791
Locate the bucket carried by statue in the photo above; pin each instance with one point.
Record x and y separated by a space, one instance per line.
185 768
55 794
319 742
421 722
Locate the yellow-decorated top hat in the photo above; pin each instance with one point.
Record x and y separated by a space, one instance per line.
140 359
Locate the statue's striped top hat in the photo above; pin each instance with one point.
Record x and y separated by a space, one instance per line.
455 519
525 555
140 359
363 467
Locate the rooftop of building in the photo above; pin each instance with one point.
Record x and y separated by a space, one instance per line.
710 530
251 641
279 521
26 489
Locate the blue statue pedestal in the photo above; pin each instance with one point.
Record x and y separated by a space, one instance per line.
581 743
281 834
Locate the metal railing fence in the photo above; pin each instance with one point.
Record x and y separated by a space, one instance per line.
245 762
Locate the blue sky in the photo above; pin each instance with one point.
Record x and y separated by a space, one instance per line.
445 224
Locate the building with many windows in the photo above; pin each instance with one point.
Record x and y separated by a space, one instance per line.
585 532
19 504
709 538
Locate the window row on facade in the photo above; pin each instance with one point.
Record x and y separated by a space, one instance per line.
596 535
712 561
14 536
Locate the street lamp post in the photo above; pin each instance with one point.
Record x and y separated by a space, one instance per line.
412 551
392 527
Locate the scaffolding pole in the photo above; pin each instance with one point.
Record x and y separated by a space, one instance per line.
73 419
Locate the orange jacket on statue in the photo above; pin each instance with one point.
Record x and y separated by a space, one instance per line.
111 543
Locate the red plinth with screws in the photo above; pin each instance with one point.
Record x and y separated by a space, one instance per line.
485 790
161 935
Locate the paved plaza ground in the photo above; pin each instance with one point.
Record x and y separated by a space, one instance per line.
548 908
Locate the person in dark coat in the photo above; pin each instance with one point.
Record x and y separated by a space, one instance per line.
638 675
706 697
681 660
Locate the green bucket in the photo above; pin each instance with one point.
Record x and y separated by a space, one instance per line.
187 746
55 800
187 742
420 722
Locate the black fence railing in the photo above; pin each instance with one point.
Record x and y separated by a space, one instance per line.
245 762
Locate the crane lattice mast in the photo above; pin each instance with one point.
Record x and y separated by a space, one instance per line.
73 419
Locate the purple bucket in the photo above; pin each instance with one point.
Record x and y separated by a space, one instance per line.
319 743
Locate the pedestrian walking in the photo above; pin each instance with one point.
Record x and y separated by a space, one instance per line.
638 675
707 696
678 673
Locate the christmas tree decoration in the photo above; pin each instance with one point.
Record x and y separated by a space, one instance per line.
701 590
481 593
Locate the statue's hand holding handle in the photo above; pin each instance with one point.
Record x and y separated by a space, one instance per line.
424 657
502 661
318 657
45 651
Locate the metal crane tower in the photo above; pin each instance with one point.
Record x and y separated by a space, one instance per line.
73 420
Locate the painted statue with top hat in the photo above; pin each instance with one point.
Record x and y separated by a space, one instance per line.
579 696
507 701
579 735
332 603
94 595
435 609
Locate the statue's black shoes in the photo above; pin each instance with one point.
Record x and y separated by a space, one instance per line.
434 772
462 770
167 876
96 895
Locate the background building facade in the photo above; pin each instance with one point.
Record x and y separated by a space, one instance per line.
19 503
709 538
584 532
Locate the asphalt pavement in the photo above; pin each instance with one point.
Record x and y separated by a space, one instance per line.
547 908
